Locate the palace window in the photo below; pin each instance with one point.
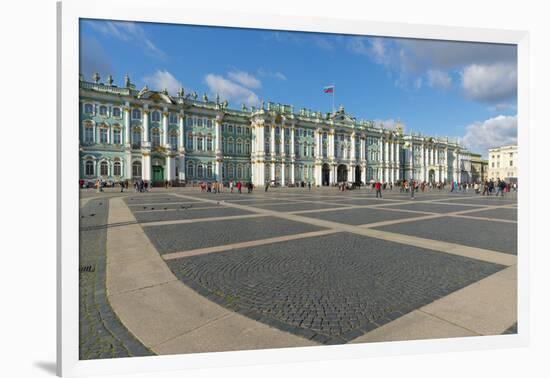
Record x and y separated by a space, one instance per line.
116 112
190 141
230 146
116 136
188 121
155 137
88 108
200 171
89 168
117 169
136 114
277 148
209 145
103 110
266 147
239 147
103 135
230 170
287 148
209 123
248 130
239 171
136 138
136 169
230 128
199 122
200 144
305 150
173 118
174 140
209 170
223 171
89 133
247 147
511 163
104 168
190 170
239 130
155 116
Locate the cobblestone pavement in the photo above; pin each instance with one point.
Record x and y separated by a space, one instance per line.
101 334
332 288
254 253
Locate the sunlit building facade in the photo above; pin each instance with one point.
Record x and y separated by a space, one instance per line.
131 134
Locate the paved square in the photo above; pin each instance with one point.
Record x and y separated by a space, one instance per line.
331 288
192 213
506 214
183 237
432 207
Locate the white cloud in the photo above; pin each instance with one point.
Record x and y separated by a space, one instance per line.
94 58
389 124
128 32
161 80
274 74
490 83
493 132
375 48
439 79
230 90
245 79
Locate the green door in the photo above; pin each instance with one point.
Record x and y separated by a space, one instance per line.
158 174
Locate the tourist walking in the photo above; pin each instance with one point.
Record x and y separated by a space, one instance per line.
412 183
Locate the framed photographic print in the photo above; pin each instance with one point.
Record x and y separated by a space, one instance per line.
285 188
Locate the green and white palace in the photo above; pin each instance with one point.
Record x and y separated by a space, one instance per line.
131 134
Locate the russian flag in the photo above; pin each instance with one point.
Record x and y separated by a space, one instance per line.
329 89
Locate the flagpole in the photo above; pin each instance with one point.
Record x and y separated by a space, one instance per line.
333 94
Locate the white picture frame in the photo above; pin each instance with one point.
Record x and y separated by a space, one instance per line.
69 13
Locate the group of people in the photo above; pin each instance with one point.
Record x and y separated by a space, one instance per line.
499 187
216 187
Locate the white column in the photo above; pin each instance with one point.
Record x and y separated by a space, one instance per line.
181 144
362 148
411 160
422 163
331 145
170 167
398 160
146 125
272 148
292 152
292 181
282 148
165 127
283 178
127 131
272 166
128 143
386 161
218 170
219 119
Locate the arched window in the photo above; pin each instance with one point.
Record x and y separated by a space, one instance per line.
117 169
200 171
224 145
88 108
230 145
136 169
190 170
155 137
104 168
209 142
89 168
155 116
247 147
136 137
116 112
230 170
209 170
239 147
136 114
103 110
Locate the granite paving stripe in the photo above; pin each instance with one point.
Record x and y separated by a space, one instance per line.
510 214
201 220
434 208
202 235
227 247
221 211
361 216
297 206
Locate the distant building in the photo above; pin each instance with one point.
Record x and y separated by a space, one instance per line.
503 163
131 134
479 168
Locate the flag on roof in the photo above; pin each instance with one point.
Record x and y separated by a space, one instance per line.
329 89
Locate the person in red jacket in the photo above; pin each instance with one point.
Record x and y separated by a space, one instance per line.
378 187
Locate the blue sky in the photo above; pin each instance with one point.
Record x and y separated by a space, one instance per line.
456 89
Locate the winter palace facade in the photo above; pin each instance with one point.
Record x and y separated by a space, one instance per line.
129 134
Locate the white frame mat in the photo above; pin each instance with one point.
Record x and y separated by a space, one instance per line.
166 11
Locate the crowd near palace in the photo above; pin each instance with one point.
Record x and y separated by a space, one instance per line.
129 134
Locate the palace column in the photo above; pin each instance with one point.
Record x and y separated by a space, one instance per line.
165 127
437 165
146 147
411 160
397 162
127 143
386 161
169 166
392 161
181 142
218 150
422 162
292 154
282 154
